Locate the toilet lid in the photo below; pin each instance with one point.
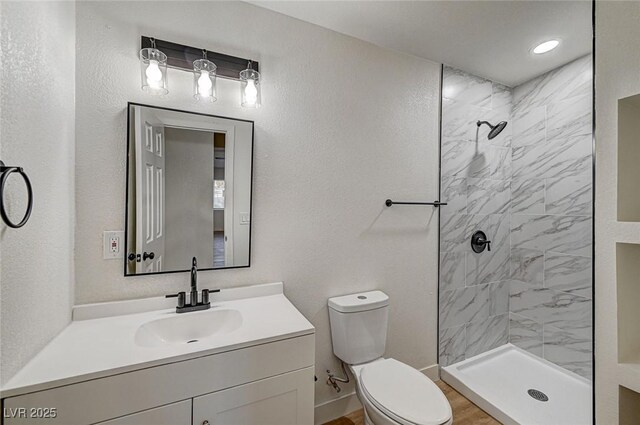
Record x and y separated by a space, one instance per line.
404 394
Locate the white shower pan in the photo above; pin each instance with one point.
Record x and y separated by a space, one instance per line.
498 381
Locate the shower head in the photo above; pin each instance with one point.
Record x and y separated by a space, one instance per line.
495 129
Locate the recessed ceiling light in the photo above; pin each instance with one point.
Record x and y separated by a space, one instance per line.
545 47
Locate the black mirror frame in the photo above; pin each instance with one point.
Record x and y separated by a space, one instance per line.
126 200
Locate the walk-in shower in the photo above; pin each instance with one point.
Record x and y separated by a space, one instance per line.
515 321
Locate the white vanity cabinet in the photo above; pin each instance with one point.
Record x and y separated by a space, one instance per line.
171 414
258 369
279 400
263 384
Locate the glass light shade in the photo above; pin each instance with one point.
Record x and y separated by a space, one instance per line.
153 71
250 88
204 80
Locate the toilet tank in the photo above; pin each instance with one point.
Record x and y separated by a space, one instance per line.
359 326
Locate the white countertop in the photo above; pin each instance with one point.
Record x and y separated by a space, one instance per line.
103 346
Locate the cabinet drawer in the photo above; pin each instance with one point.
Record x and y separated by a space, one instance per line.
171 414
281 400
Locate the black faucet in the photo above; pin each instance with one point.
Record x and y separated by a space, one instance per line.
193 305
193 297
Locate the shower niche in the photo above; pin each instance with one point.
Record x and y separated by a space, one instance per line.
628 158
628 259
628 269
629 405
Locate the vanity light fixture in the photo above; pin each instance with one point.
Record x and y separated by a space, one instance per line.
250 87
545 47
204 79
206 66
153 68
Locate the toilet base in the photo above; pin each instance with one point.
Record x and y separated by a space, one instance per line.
367 420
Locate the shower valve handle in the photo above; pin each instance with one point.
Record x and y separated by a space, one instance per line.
479 242
488 243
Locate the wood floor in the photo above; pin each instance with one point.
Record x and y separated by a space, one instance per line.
464 412
218 249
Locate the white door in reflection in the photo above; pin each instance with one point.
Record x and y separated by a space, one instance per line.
150 186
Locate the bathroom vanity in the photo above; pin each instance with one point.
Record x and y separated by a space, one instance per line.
247 360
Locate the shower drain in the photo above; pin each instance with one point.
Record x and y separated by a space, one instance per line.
538 395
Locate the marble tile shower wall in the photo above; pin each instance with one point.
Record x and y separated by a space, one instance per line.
551 208
476 173
529 189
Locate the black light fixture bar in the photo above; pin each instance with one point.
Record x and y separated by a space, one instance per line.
181 57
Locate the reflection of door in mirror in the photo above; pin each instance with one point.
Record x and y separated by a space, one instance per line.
150 190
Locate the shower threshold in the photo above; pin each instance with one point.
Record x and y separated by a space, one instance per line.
516 387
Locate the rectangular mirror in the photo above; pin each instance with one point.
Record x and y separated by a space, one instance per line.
188 191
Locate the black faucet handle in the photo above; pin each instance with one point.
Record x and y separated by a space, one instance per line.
181 298
205 294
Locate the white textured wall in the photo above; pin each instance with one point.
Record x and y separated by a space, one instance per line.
617 76
37 132
344 125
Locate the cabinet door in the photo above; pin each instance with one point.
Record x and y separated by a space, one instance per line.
171 414
281 400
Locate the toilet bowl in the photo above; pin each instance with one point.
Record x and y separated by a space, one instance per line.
391 392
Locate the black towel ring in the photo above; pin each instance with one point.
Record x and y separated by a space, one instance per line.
4 173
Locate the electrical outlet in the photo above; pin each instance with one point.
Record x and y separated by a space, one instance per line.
112 244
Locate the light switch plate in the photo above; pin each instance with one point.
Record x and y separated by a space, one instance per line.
113 244
245 218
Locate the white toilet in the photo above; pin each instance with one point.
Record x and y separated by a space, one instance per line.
391 392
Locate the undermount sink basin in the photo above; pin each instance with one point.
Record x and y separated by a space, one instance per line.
187 328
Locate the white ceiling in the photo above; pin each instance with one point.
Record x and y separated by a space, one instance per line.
491 39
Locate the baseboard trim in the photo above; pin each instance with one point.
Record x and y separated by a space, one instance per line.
343 405
432 372
336 408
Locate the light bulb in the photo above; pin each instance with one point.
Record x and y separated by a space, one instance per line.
204 84
153 73
251 92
